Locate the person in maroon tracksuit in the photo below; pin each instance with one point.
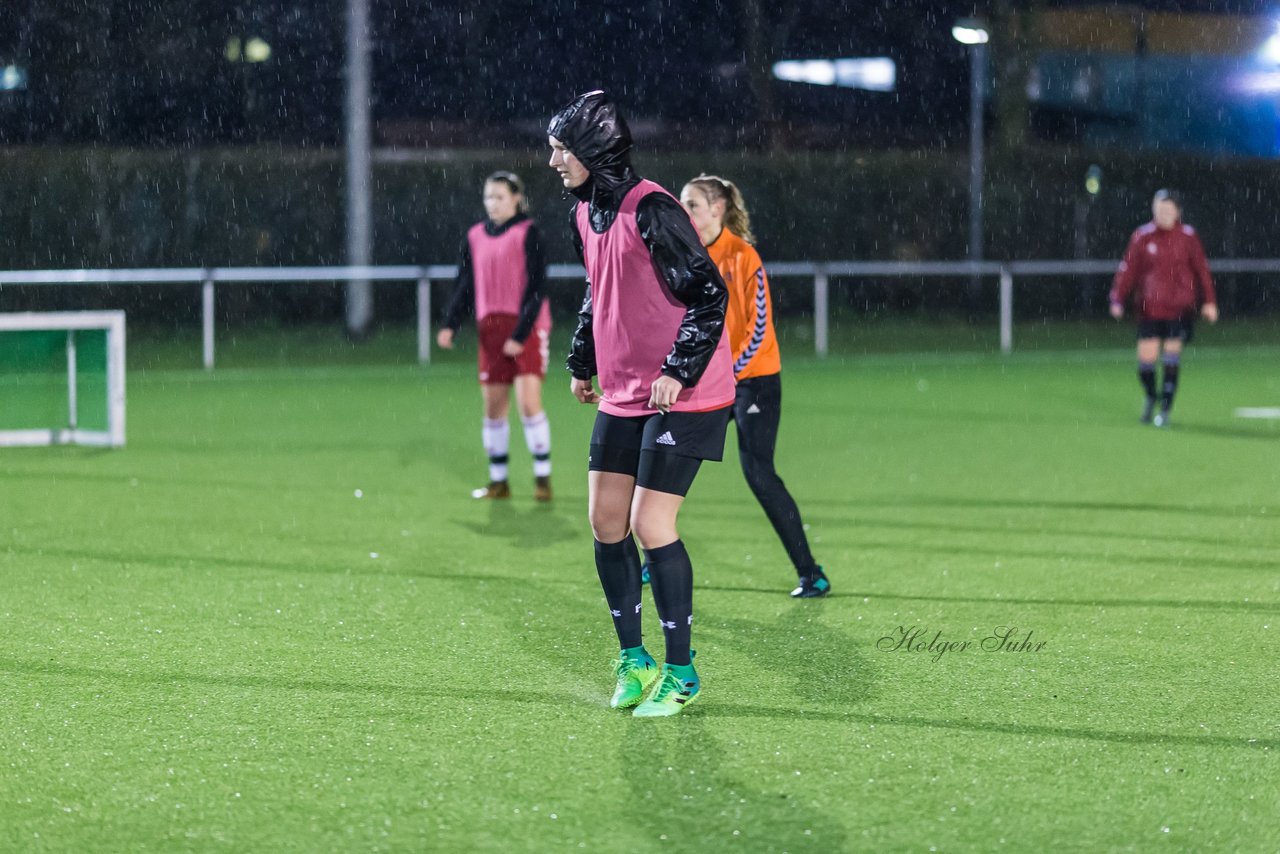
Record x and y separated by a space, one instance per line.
1165 276
501 274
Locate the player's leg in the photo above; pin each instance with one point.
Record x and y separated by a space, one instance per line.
496 436
537 431
495 385
1171 360
1148 353
609 496
610 487
662 481
757 411
653 517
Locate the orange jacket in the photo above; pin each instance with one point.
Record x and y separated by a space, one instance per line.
749 317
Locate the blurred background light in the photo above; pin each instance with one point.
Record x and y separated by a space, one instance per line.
969 34
873 73
13 78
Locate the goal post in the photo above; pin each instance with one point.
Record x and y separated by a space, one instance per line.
62 378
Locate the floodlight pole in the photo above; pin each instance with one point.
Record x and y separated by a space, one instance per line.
359 169
977 80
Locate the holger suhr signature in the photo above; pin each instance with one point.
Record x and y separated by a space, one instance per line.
922 639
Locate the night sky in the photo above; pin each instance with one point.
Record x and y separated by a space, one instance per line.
156 71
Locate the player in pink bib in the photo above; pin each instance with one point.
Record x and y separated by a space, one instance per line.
500 275
651 331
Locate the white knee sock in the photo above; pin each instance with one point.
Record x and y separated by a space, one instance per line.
497 437
537 435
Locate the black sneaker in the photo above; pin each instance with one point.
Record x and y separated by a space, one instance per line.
1148 409
812 586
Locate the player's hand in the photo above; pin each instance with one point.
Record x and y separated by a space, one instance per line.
1117 310
584 391
444 339
1209 311
511 347
663 393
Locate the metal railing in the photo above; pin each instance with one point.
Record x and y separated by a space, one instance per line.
821 272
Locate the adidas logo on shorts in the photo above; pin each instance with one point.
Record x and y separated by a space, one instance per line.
666 439
753 410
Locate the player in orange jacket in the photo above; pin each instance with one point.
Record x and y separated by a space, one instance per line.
720 217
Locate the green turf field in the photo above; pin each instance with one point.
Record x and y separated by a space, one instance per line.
211 643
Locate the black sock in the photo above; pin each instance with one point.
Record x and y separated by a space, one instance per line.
671 576
1170 384
618 565
1147 376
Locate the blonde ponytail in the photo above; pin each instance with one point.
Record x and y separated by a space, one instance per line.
736 218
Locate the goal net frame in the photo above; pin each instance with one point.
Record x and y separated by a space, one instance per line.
72 322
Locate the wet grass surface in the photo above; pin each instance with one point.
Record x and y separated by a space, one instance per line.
276 621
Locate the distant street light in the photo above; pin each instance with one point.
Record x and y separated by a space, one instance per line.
1270 51
256 50
1093 180
1083 205
974 34
969 32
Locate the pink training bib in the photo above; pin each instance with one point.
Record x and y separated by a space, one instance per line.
635 319
500 273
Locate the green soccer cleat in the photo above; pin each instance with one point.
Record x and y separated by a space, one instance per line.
636 670
678 688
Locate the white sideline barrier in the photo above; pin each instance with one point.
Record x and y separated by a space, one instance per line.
820 272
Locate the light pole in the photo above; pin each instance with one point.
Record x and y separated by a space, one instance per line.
974 34
359 169
1084 204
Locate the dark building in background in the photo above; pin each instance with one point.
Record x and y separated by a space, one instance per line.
1109 75
165 133
1199 76
170 73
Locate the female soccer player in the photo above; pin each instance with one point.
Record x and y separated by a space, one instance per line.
720 217
501 275
1164 271
650 329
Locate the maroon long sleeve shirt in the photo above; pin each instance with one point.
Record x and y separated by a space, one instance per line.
1164 273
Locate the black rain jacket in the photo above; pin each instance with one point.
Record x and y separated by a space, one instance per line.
592 128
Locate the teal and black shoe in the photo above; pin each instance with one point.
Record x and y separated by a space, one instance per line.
644 573
812 586
678 688
635 670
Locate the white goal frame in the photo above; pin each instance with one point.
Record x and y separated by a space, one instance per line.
72 322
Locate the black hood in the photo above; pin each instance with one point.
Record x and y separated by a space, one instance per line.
591 127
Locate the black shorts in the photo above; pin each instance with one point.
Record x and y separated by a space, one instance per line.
662 452
1180 329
